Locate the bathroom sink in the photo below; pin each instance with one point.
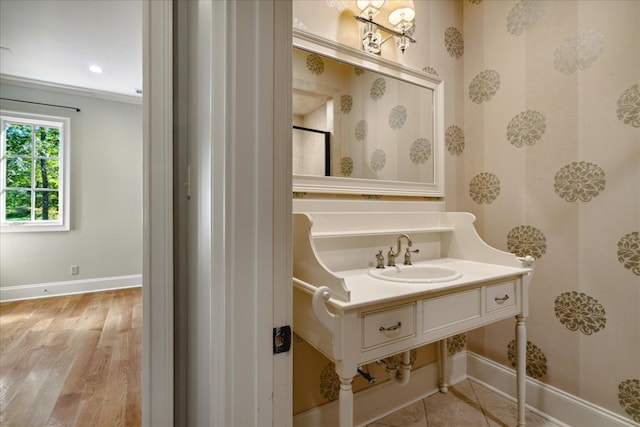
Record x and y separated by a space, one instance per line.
416 273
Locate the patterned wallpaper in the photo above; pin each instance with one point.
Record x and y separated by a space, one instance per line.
552 109
542 119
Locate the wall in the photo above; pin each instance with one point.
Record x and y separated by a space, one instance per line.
315 381
105 239
541 116
552 169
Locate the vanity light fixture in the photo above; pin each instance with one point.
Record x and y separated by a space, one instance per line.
401 17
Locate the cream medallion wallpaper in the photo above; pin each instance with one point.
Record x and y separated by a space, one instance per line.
542 119
554 167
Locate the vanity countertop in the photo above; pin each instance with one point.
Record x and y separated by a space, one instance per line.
367 290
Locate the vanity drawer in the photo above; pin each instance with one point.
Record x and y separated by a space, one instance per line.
501 296
450 309
388 325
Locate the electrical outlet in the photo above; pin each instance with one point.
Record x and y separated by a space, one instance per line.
75 269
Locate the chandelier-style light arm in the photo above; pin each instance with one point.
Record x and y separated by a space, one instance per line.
388 30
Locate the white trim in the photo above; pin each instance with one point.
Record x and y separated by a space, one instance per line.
212 85
64 174
381 400
547 401
157 240
69 287
346 205
69 90
253 187
282 222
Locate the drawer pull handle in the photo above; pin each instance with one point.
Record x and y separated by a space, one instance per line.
501 300
390 328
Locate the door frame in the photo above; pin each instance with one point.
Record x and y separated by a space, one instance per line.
157 247
251 251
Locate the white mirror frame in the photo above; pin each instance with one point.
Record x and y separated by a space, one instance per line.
341 185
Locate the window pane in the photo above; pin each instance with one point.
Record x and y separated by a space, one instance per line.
18 205
46 173
47 142
46 205
18 172
18 139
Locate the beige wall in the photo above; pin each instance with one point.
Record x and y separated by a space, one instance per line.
542 117
105 239
558 143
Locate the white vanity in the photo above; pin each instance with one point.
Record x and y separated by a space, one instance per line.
351 311
355 313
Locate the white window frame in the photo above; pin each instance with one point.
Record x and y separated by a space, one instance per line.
64 214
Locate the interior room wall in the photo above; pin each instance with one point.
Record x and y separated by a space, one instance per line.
105 239
315 381
541 119
552 169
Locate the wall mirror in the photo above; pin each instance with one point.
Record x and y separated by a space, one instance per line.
363 124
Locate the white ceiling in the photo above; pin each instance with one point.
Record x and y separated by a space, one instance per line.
56 41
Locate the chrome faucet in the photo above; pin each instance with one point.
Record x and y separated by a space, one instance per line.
409 242
407 256
391 255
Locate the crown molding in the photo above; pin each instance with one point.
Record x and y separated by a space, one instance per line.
68 89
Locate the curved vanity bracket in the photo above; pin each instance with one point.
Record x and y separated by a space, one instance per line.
465 243
329 321
307 265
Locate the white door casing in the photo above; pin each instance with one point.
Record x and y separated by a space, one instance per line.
157 263
237 265
258 210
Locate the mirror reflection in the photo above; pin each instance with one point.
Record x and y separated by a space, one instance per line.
378 126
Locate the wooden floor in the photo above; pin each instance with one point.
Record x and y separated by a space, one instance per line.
72 361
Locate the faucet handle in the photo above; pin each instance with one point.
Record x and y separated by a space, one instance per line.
391 257
407 256
379 259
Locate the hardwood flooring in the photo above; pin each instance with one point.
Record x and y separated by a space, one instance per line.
72 360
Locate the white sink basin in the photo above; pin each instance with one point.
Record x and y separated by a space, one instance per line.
423 273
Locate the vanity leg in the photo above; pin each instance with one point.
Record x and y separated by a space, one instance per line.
345 402
442 367
521 367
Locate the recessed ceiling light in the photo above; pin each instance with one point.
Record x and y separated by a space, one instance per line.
95 69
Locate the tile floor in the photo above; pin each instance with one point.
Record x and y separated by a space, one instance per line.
467 404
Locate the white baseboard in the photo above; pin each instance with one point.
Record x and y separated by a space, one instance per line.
40 290
550 402
376 402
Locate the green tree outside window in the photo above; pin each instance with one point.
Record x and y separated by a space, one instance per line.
32 172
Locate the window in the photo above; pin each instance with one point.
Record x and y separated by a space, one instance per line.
34 168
